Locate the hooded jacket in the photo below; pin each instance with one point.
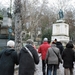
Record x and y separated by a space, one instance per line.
26 62
8 58
68 56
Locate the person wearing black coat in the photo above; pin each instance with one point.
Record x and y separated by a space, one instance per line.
8 59
68 57
60 46
26 61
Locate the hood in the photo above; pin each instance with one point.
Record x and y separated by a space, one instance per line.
58 43
69 45
9 51
24 49
28 46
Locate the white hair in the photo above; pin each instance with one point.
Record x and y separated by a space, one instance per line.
11 43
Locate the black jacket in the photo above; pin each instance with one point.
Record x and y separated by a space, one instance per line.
8 58
60 46
68 57
26 62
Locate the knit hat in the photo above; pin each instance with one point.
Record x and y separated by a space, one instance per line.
30 41
45 39
11 43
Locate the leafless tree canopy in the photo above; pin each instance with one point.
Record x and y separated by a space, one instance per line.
43 13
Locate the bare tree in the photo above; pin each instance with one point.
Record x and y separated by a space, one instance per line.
36 13
18 26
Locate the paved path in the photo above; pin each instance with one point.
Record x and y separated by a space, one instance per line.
60 71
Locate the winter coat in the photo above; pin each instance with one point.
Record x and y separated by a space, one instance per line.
51 57
43 49
60 46
8 58
26 62
68 58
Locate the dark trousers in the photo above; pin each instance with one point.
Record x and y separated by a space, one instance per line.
43 67
51 67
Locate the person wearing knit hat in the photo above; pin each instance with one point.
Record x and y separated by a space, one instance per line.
43 50
45 39
10 43
31 42
28 57
8 58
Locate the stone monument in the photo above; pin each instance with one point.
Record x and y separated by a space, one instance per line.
60 30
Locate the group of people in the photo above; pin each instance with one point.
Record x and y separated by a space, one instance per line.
26 59
53 54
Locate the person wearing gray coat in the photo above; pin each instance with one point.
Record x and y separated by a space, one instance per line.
52 59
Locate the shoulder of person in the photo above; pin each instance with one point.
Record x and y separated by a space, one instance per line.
56 48
14 52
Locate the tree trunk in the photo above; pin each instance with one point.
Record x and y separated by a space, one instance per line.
18 26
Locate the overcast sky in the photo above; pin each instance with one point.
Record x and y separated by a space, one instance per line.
5 3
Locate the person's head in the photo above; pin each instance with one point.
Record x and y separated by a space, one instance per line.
11 43
69 45
70 41
55 40
53 43
45 40
30 41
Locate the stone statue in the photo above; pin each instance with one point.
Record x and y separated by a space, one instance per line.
61 14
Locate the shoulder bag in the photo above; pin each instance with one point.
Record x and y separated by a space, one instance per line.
28 51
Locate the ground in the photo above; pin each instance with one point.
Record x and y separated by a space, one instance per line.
38 71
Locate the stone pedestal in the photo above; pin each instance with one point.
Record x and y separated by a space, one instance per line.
60 31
